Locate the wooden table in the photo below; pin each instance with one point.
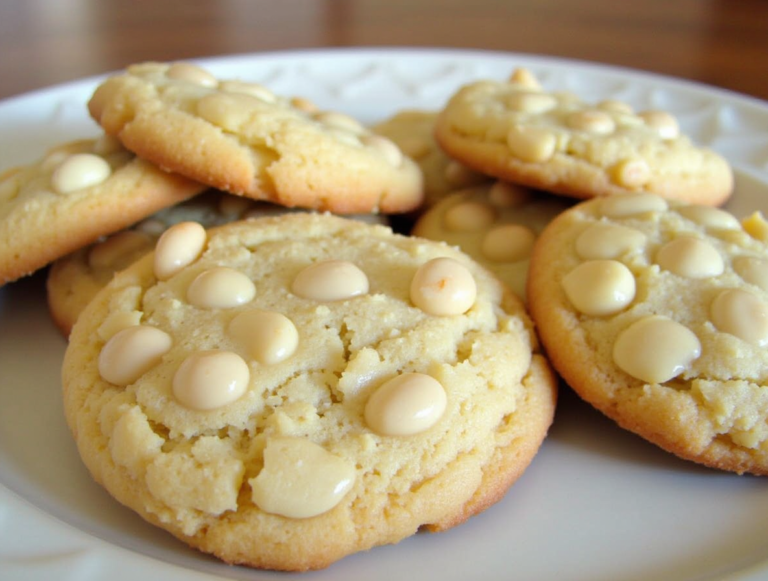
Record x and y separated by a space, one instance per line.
718 42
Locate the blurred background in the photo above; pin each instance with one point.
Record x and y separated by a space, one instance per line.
718 42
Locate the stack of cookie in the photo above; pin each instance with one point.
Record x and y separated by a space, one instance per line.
650 301
252 382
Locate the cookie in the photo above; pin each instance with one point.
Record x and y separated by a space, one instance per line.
656 313
254 387
242 138
496 224
518 132
76 193
413 132
74 279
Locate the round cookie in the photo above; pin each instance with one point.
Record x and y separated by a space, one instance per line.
76 193
334 404
656 313
518 132
74 279
496 224
242 138
413 132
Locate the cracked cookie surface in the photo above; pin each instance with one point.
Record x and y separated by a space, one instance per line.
403 378
242 138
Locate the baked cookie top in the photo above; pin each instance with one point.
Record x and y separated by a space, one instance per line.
517 131
254 387
656 312
413 132
76 193
495 223
242 138
73 280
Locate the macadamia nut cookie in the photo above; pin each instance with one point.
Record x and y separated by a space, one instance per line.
517 131
76 193
656 313
242 138
496 224
413 132
284 391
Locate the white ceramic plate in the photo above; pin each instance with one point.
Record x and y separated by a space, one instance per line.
596 504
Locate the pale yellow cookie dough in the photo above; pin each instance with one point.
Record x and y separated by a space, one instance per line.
76 193
517 131
242 138
656 313
269 391
413 132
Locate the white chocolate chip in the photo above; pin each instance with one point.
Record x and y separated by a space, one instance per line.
443 287
300 479
605 240
208 380
600 287
664 123
227 110
191 73
339 121
752 270
710 217
469 217
330 280
178 247
525 78
132 352
690 257
741 313
269 337
615 106
252 89
531 102
508 243
116 321
632 174
220 288
625 205
756 226
531 144
78 171
597 122
151 226
405 405
656 349
385 147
